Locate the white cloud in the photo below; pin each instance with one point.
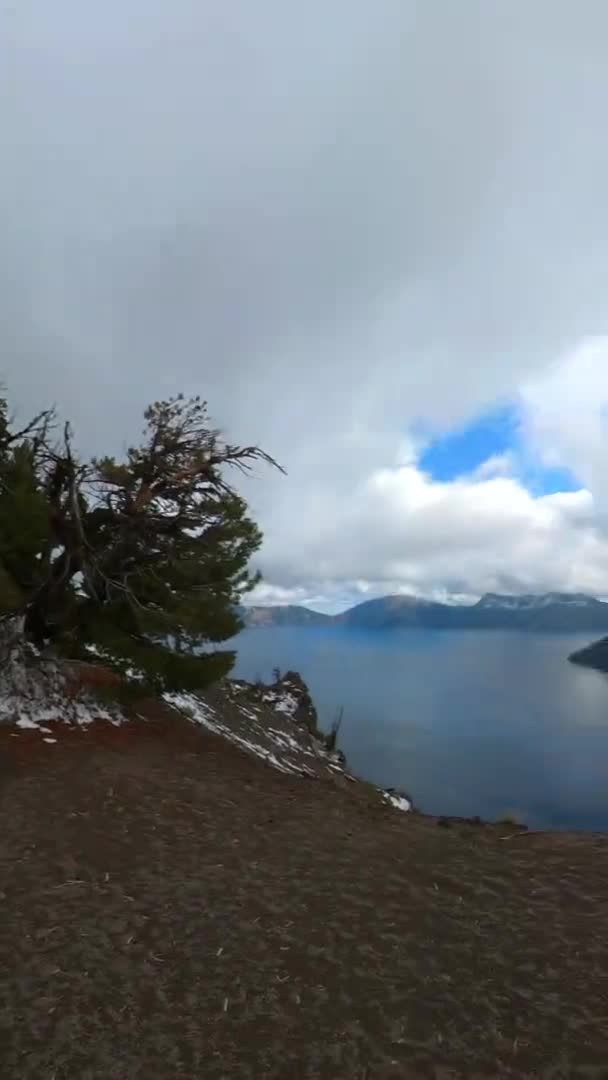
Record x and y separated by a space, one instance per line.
496 465
335 222
566 417
401 532
398 530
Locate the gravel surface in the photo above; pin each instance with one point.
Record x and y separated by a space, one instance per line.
172 907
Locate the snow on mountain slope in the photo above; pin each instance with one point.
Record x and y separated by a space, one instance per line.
533 602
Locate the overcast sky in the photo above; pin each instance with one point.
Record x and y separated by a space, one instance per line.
352 226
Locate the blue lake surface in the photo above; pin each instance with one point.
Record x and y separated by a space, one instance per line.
467 723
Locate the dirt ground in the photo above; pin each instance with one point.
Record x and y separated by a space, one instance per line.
171 907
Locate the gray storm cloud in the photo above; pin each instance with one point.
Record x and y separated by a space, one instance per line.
333 220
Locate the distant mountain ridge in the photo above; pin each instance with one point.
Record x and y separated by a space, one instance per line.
286 615
549 613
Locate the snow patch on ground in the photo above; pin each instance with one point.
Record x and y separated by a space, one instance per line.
82 713
247 721
398 801
202 713
27 722
35 692
285 744
281 703
289 742
248 713
193 706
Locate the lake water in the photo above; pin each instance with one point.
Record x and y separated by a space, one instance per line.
467 723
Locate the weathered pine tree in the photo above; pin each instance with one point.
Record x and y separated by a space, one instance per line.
144 561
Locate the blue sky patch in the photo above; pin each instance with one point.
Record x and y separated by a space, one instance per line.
459 452
544 481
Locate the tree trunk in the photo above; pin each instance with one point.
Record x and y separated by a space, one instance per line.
42 616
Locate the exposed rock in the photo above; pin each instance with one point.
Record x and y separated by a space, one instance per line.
278 723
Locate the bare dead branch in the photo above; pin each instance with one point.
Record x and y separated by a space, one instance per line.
43 418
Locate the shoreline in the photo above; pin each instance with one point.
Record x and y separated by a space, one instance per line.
277 722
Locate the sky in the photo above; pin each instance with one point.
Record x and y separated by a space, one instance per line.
373 236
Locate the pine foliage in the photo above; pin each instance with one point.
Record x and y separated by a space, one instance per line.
143 560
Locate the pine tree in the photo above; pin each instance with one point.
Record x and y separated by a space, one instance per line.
143 560
24 521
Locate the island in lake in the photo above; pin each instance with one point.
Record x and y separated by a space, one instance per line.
592 656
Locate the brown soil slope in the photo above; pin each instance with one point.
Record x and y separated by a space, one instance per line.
171 907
